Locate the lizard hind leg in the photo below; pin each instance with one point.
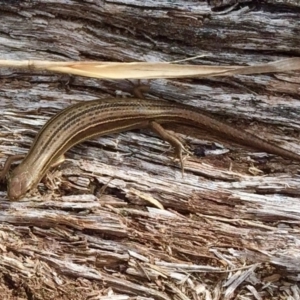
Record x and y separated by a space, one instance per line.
173 140
138 89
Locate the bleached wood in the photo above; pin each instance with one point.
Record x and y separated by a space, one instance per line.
230 225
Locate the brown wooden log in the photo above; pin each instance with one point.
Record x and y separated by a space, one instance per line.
229 228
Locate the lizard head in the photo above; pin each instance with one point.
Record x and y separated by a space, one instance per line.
19 183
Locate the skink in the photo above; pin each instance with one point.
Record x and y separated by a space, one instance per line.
85 120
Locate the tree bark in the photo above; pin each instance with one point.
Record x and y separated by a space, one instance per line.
230 226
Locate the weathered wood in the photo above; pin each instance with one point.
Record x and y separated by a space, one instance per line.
231 224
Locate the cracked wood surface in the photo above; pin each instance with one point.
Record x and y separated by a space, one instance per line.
230 225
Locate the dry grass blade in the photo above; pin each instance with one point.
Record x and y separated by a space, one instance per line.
146 70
